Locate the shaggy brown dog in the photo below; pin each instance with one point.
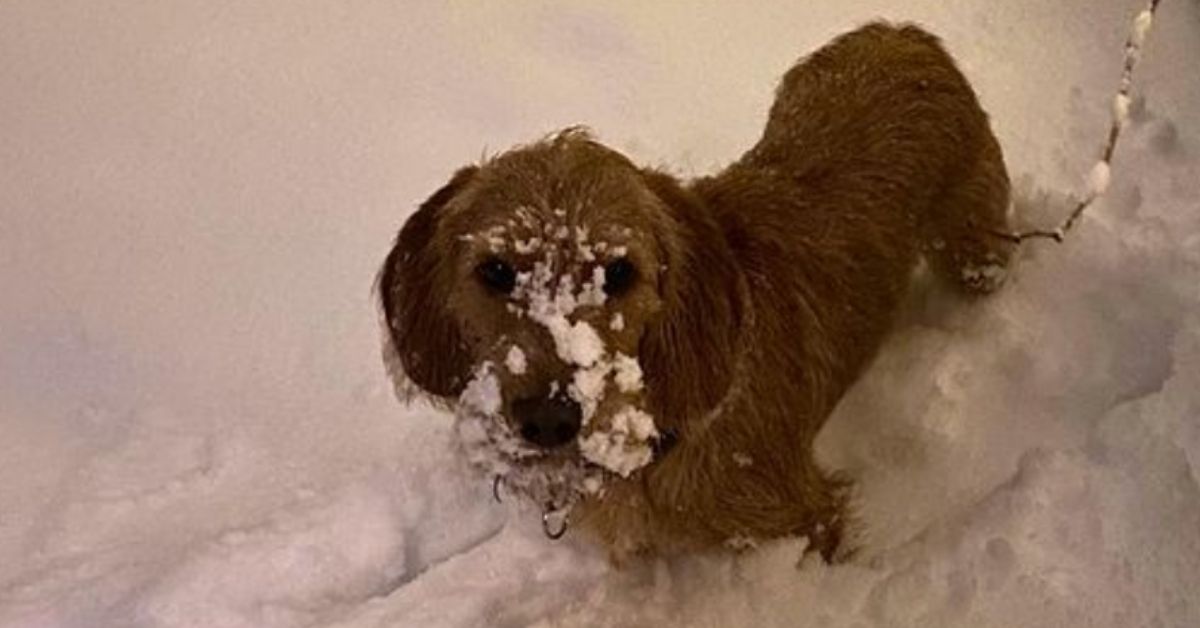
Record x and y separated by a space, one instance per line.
750 299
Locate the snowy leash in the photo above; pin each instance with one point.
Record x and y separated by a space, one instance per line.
1099 177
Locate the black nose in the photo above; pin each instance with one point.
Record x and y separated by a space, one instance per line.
548 422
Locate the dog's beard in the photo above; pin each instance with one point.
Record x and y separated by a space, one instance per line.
553 479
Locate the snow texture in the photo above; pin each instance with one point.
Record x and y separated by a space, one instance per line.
624 447
195 430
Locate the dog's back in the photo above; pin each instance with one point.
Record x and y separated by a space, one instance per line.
876 151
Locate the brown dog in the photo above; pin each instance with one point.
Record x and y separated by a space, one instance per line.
660 356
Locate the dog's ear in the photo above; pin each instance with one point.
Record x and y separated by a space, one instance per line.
689 353
424 346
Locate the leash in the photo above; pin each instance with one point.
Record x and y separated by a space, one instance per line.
1101 173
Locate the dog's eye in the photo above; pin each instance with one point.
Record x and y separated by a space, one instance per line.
497 275
619 276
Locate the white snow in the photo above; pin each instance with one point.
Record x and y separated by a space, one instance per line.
195 429
515 361
1141 27
1099 178
628 373
482 394
1121 104
550 301
624 447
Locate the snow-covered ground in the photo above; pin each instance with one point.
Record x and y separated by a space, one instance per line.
195 427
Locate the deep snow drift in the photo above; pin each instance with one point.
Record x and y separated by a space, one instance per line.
196 430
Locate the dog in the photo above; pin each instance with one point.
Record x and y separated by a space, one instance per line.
656 357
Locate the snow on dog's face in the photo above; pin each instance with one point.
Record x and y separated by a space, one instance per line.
521 294
556 401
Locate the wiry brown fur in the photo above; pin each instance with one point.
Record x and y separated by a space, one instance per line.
765 289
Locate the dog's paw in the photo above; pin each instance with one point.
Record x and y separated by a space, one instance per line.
985 277
828 540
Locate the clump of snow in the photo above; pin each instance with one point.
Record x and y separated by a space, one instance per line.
1098 178
587 387
515 361
1141 26
550 305
1121 104
624 446
577 343
482 394
628 373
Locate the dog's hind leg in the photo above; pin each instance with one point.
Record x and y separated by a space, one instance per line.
957 241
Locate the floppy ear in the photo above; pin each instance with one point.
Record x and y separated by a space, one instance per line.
689 353
424 346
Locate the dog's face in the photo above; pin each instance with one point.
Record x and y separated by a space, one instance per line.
533 291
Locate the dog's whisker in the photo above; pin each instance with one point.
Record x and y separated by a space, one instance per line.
552 531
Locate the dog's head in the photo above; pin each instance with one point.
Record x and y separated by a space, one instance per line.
578 312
